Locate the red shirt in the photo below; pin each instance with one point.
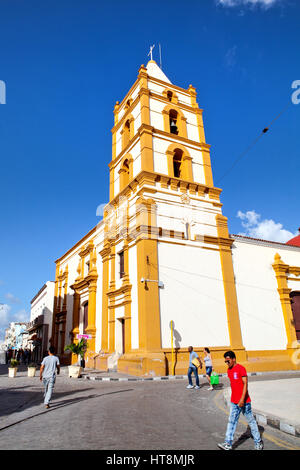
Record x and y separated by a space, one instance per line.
235 375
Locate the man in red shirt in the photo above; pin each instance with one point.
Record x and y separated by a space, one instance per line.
240 402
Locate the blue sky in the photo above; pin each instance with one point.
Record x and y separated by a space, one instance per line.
66 62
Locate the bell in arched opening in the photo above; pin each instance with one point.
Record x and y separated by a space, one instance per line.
173 122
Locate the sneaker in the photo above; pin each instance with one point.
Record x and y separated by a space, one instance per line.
259 446
225 446
47 406
210 388
197 387
190 386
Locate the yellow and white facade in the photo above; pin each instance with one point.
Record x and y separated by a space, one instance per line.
162 254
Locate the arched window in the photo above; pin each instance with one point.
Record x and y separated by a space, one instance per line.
127 131
125 171
125 167
169 95
126 134
177 163
128 103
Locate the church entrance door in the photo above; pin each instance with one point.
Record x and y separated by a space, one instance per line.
295 301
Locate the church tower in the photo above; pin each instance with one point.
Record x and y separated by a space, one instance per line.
166 255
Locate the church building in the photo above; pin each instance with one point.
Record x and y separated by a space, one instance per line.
161 272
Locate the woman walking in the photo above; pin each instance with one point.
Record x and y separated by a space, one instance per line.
208 366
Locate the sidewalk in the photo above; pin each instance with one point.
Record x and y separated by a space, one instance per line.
275 403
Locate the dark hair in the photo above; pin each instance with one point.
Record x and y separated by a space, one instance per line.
207 350
230 354
52 350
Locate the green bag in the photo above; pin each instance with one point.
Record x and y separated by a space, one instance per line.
214 379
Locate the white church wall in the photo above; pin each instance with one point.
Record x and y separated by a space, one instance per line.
192 126
193 296
160 156
259 304
135 152
156 116
173 215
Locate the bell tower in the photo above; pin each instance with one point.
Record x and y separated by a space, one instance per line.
162 199
158 128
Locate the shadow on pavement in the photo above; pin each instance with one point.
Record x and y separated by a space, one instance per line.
60 404
13 400
247 435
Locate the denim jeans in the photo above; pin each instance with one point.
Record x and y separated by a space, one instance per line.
190 371
49 386
234 415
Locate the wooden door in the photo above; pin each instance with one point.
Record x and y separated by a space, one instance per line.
295 301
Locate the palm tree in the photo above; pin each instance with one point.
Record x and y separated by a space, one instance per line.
78 349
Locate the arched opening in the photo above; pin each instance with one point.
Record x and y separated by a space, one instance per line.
125 173
295 302
177 163
169 96
128 103
126 133
173 117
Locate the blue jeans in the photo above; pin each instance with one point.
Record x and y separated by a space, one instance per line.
190 371
49 386
234 415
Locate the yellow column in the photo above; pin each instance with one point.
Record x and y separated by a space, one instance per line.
111 166
105 272
281 271
146 132
127 327
111 310
91 328
188 169
205 149
144 95
193 94
148 295
111 327
234 327
148 299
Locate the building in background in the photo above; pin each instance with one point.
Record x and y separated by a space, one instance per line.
40 325
161 272
16 336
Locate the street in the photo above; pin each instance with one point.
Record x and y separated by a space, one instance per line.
94 415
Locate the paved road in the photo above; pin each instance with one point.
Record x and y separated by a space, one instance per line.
120 416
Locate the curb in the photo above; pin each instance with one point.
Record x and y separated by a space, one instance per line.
268 419
135 379
146 379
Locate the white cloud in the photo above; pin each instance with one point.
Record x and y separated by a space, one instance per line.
12 298
237 3
21 316
265 229
4 311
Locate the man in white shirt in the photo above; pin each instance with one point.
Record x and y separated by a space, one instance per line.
48 374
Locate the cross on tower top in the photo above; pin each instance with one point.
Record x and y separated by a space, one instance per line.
150 53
